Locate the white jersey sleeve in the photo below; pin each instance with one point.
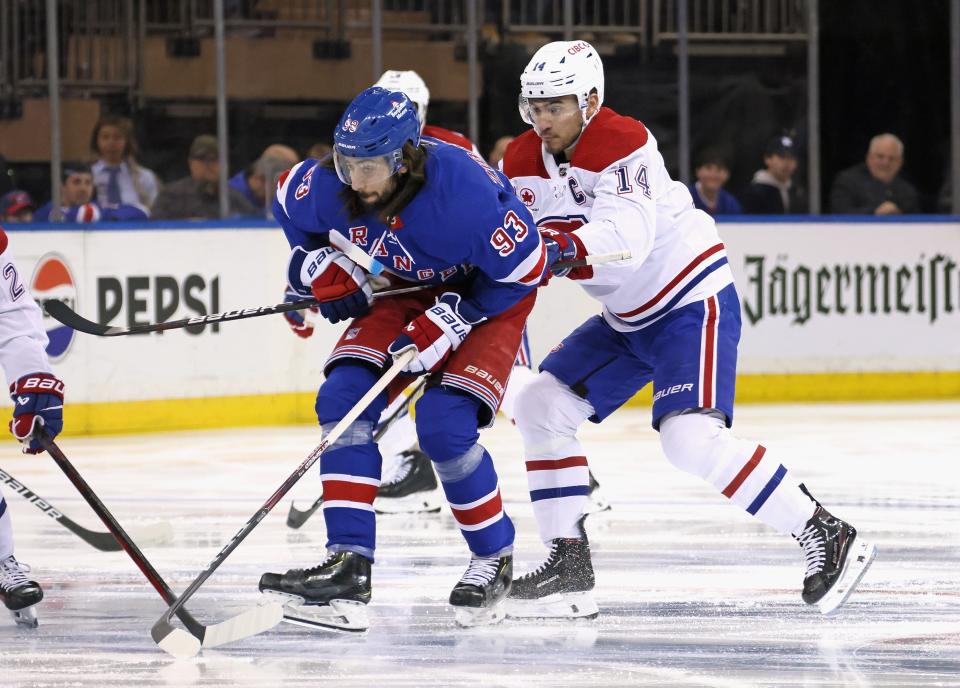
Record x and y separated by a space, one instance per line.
22 338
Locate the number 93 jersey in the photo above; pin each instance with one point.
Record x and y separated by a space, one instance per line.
464 226
616 194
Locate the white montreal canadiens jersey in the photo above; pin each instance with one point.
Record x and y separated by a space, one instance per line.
22 339
616 194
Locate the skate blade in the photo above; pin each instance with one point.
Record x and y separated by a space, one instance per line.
417 503
571 605
26 617
468 617
858 561
339 615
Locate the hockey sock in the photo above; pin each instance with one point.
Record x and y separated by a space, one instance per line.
548 415
6 530
742 471
350 467
447 427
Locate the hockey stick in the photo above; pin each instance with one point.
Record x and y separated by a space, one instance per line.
118 532
62 312
154 534
178 642
595 259
295 517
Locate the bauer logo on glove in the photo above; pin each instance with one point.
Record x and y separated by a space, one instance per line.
38 403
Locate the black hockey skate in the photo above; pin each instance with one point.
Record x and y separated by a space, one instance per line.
413 489
477 599
332 595
560 587
836 560
19 594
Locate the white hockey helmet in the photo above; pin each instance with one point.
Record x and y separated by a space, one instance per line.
410 83
562 68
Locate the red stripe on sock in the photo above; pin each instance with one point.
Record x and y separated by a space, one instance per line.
744 472
479 513
553 465
341 490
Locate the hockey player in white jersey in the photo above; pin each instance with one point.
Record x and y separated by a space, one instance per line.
38 406
596 183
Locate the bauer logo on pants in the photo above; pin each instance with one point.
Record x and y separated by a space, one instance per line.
52 279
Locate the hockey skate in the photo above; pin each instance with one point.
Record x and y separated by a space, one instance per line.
560 587
477 599
332 595
19 594
836 560
596 502
412 489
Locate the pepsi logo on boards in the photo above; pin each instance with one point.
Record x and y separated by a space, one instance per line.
53 279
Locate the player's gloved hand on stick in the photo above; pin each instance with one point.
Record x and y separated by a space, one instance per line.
337 282
565 246
434 335
38 404
297 320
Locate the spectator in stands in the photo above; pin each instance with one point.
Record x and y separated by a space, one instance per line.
499 148
258 180
16 206
319 151
773 191
78 205
874 187
119 178
712 173
196 197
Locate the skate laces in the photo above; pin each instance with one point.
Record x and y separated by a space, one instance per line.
318 567
552 560
481 571
12 573
814 549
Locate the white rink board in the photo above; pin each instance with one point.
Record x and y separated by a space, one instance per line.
260 356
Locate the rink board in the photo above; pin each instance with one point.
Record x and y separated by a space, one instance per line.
831 311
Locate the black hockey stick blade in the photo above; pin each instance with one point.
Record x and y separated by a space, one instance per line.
178 642
295 517
153 534
69 317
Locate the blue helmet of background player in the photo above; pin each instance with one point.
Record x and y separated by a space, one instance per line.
368 141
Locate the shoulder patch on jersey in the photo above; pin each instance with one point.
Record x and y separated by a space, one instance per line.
608 138
524 157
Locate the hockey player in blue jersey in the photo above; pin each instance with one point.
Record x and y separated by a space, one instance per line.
436 215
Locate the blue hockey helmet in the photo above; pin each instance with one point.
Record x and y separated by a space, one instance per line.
370 136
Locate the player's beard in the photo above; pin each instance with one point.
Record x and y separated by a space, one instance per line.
378 199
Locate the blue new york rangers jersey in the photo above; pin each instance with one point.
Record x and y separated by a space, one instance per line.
465 225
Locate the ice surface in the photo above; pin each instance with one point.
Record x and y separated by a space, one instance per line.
692 591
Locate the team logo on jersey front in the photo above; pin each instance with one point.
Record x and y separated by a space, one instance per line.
527 196
53 279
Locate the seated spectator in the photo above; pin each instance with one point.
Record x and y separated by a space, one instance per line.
319 151
16 206
119 179
499 148
873 187
255 181
772 190
197 196
712 173
77 204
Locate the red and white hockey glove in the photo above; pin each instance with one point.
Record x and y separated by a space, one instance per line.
564 246
435 335
336 281
297 320
38 403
